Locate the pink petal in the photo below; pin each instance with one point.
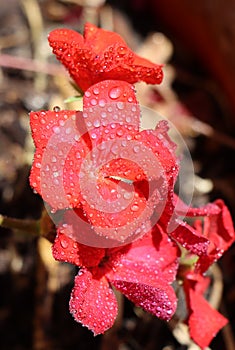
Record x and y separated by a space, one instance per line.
93 302
144 272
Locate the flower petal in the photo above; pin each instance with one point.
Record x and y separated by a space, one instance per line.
68 250
159 301
54 134
218 228
204 321
190 239
93 302
144 272
102 55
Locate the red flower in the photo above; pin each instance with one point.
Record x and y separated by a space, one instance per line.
142 271
100 55
204 322
100 162
216 227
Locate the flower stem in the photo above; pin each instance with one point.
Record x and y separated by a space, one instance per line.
23 225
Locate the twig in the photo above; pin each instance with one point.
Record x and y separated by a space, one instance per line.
28 64
23 225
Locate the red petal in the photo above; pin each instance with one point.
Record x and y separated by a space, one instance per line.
152 257
184 209
159 301
93 302
99 39
68 250
204 321
53 144
101 56
163 148
144 273
218 228
190 239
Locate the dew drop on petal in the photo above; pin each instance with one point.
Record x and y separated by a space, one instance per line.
115 93
56 109
54 159
78 155
120 105
135 207
87 94
93 102
64 243
101 103
96 123
56 129
136 149
96 91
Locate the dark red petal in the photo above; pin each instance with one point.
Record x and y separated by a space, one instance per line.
68 250
218 228
93 302
190 239
159 301
204 321
150 258
144 273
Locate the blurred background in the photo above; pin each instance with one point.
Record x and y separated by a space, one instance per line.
196 43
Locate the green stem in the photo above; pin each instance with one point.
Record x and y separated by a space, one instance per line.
23 225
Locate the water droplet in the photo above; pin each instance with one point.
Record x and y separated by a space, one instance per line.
102 103
103 115
93 136
115 92
120 105
56 129
87 94
96 123
93 102
38 165
122 50
119 132
64 243
56 109
68 131
127 195
136 149
96 91
54 159
78 155
135 207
